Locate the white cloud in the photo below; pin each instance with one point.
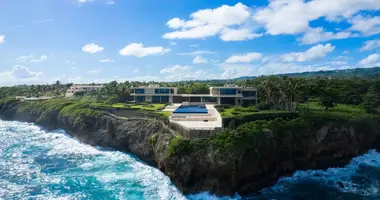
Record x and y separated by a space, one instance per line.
195 53
173 43
32 58
246 58
194 45
85 1
42 58
224 20
95 71
110 2
2 38
107 60
175 69
44 21
25 58
70 62
338 62
370 45
293 16
315 52
372 60
138 50
346 52
200 60
366 25
136 70
316 35
228 34
20 75
92 48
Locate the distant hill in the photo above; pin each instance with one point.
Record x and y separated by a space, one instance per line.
347 73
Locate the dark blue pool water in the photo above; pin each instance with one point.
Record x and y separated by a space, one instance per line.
191 109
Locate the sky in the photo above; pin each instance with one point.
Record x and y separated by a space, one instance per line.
85 41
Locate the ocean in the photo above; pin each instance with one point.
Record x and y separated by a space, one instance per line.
36 164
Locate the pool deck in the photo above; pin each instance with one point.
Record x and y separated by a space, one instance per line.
199 125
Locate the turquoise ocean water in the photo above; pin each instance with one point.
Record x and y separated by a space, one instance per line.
35 164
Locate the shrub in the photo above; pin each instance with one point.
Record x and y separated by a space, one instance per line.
263 106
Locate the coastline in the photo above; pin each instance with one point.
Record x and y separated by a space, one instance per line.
244 168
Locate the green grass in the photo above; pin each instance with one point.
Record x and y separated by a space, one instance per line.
149 107
164 113
343 108
239 111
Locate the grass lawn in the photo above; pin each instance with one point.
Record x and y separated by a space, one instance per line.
342 108
149 107
238 111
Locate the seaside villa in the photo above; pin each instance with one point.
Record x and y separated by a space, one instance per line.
194 115
82 88
229 94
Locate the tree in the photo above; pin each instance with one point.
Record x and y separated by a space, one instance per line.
57 91
327 98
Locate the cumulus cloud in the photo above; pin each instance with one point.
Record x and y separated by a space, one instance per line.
372 60
316 35
20 75
139 50
2 38
246 58
200 60
107 60
370 45
293 16
173 43
366 25
175 69
92 48
226 21
315 52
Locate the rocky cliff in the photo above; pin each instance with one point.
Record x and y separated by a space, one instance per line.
244 160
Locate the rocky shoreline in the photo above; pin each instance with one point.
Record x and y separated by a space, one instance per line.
276 153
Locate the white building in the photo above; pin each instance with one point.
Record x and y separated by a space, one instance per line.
228 94
82 88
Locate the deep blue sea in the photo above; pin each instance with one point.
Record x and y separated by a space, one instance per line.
35 164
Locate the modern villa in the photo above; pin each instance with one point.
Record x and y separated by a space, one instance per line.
228 94
194 115
82 88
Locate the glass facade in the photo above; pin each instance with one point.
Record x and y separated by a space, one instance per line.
140 99
139 91
165 99
249 93
209 99
228 91
162 91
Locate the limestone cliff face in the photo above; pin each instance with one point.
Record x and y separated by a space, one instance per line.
333 144
243 170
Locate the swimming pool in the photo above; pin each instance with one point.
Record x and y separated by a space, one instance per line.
199 109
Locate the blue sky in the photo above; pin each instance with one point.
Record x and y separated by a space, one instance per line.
81 41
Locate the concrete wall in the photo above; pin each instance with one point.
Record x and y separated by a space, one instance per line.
193 133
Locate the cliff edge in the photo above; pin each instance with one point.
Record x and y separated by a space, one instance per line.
243 160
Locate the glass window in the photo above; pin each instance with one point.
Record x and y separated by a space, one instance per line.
162 91
249 93
139 91
228 91
140 99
